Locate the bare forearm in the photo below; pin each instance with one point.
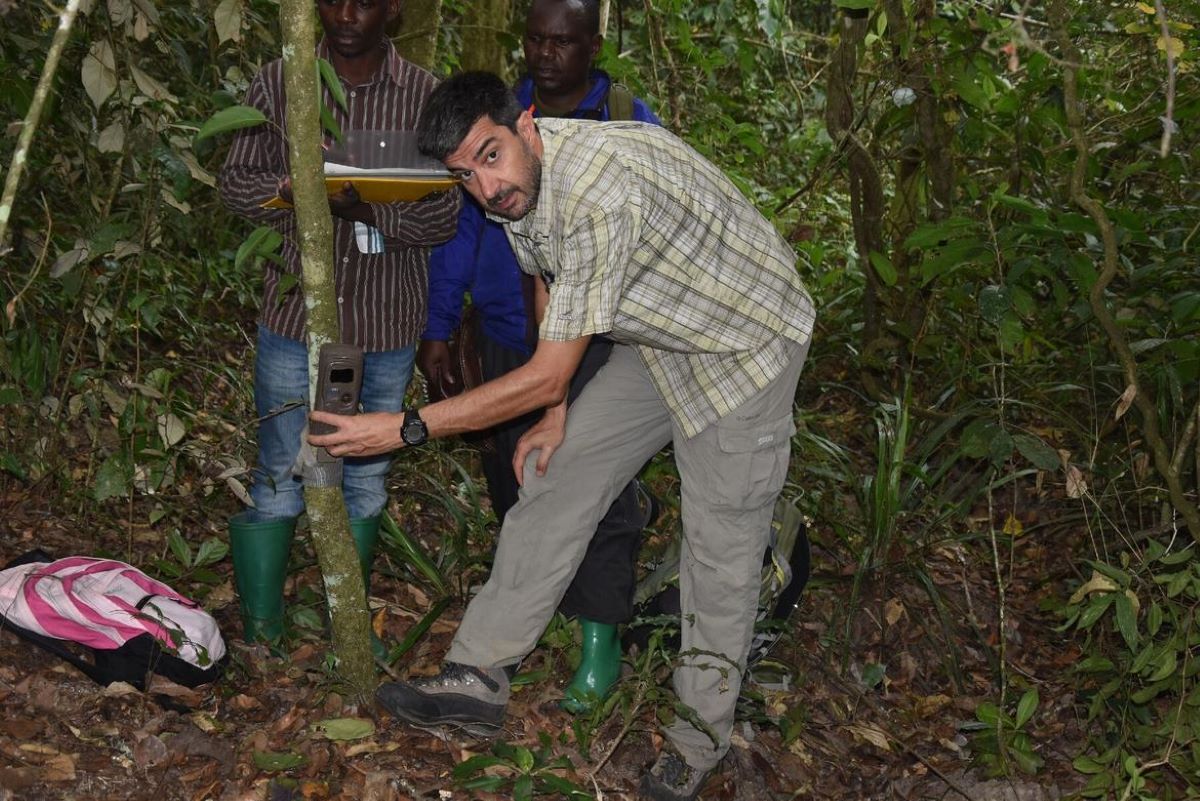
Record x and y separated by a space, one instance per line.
509 396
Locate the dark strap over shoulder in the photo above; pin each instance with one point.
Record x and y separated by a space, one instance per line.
620 102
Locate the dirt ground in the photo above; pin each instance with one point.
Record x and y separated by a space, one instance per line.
833 727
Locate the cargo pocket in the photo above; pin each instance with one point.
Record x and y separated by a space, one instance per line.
758 457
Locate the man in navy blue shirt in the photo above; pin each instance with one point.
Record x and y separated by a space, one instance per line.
562 39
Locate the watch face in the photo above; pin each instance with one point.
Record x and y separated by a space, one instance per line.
414 431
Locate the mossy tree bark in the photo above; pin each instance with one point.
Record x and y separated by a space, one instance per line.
482 36
416 40
329 523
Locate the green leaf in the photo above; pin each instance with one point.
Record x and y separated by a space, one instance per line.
883 267
1034 449
1026 707
1154 618
112 479
345 728
262 241
486 783
333 83
179 547
872 675
1088 766
273 760
212 550
523 789
1126 620
230 119
330 124
1166 667
475 764
524 759
994 301
977 437
988 713
1095 609
855 5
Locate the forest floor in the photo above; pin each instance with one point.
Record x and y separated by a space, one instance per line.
883 707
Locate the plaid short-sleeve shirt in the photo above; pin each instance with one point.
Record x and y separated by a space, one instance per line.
641 238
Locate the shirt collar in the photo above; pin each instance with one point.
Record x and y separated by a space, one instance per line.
536 225
393 65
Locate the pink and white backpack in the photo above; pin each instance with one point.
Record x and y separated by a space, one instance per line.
130 624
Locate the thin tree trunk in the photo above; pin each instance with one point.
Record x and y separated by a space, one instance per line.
328 522
66 18
1143 398
420 21
482 44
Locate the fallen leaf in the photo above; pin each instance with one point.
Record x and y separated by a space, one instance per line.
1125 401
1097 583
1076 485
872 735
345 728
893 610
59 769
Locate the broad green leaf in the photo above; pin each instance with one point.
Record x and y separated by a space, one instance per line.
212 550
1154 619
273 760
330 124
1094 610
112 479
475 764
228 21
1026 707
1039 454
994 301
180 548
328 75
230 119
262 241
524 759
1126 620
99 72
1166 667
855 5
523 788
883 267
1088 766
988 713
345 728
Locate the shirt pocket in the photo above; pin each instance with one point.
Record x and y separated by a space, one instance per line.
756 452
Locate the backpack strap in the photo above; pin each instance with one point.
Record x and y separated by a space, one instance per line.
619 102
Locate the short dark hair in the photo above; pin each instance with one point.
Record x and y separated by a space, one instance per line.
589 11
457 104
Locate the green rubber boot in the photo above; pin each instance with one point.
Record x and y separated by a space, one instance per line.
599 667
365 531
260 555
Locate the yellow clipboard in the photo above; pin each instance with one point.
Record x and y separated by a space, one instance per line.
379 189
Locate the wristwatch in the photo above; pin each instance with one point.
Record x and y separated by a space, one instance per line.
413 430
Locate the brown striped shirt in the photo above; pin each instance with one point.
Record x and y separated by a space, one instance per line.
382 298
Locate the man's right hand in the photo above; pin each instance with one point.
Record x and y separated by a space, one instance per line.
433 357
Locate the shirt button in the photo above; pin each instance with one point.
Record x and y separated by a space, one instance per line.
345 259
354 94
341 300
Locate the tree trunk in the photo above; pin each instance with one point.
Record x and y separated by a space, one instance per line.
482 43
328 522
417 37
66 18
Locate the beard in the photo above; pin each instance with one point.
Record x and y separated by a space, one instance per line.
531 187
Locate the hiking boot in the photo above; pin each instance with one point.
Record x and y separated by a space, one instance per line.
672 779
460 695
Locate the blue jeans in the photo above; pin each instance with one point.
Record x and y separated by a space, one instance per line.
281 378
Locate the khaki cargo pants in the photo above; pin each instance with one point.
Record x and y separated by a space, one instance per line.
731 474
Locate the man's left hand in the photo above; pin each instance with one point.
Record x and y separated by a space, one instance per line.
358 435
349 206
